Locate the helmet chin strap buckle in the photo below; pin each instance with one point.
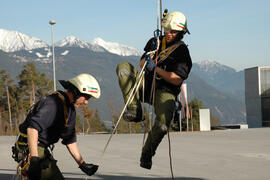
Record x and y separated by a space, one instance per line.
187 31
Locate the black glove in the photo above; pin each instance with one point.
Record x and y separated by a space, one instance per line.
34 170
88 169
151 45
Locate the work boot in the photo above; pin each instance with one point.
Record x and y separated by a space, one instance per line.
146 161
133 113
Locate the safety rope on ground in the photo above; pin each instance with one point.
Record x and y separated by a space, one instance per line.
170 154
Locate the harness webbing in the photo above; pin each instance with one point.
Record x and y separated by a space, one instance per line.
165 52
65 106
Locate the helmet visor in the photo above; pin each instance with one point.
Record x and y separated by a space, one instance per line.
86 96
168 30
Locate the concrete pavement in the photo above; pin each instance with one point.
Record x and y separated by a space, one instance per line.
216 155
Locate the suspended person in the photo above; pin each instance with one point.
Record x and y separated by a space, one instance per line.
173 67
52 118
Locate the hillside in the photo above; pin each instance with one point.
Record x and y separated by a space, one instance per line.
219 87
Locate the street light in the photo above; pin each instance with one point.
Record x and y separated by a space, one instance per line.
52 22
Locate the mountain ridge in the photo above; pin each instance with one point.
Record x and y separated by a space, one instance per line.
218 86
11 41
116 48
102 65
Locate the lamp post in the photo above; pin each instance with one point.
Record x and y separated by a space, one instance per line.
52 22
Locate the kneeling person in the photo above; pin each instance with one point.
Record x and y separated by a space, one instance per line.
52 118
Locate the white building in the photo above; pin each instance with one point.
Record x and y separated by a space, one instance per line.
257 96
205 123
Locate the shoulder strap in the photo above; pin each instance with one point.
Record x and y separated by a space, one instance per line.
165 52
65 105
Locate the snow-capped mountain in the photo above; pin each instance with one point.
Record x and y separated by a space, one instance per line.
99 45
116 48
213 67
11 41
72 41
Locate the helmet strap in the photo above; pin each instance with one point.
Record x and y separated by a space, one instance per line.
75 94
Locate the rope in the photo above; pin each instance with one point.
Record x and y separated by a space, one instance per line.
131 96
158 17
143 125
16 176
159 2
161 16
170 154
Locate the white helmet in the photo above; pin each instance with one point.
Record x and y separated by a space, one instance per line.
85 83
175 21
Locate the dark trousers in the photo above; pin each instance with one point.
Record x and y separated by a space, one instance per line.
50 170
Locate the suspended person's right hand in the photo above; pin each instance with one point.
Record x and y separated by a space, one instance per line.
88 169
151 45
34 170
150 65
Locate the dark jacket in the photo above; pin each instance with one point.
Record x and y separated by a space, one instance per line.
48 118
179 62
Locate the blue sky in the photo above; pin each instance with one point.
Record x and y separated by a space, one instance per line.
235 33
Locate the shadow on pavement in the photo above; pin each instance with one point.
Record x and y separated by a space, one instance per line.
125 177
5 176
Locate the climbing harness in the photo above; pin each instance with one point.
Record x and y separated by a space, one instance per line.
165 52
20 153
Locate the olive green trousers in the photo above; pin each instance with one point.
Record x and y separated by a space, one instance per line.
164 105
48 164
